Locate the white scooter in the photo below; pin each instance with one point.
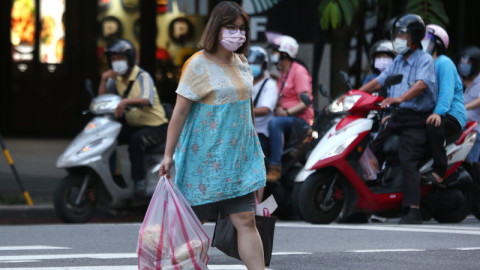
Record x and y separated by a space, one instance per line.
90 162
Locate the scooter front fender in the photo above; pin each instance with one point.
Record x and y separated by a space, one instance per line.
97 138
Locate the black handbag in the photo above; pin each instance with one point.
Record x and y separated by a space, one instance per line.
225 236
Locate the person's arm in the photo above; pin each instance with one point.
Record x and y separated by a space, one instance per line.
371 86
102 88
413 92
120 110
446 87
473 104
175 127
259 111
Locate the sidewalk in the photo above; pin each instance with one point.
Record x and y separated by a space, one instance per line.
35 161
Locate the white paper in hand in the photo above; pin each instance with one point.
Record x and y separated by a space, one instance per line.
267 207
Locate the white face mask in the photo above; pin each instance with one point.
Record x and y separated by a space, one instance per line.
400 46
382 63
275 58
120 67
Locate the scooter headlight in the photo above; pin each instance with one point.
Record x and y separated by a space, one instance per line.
341 148
343 103
90 146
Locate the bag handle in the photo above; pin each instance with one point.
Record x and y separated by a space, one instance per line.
184 230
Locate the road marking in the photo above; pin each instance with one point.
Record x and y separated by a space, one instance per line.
467 248
105 256
123 267
385 250
290 253
387 227
4 248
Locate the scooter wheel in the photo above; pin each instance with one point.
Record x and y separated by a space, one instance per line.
312 204
64 198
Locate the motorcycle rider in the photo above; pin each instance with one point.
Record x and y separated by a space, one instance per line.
381 56
416 96
449 116
265 95
468 65
294 105
145 125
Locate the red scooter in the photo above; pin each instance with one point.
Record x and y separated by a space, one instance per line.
335 178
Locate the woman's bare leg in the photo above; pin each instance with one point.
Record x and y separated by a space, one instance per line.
250 245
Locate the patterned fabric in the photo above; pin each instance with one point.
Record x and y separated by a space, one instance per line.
218 155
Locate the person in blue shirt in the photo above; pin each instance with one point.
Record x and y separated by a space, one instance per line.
449 116
381 56
416 96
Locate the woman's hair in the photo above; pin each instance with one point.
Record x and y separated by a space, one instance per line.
224 13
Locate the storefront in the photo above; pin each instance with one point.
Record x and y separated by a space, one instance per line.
51 47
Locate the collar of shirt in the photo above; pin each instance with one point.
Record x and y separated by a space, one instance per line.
133 74
411 59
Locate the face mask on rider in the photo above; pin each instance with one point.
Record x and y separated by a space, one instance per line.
231 42
275 58
256 70
400 45
120 67
381 63
464 70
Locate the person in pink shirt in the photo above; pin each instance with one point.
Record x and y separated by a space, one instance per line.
294 107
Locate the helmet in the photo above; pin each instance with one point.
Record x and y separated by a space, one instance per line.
123 47
411 24
257 55
287 44
468 61
436 38
382 46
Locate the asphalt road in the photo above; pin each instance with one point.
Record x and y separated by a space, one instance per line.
297 245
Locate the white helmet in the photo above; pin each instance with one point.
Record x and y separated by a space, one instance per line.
287 44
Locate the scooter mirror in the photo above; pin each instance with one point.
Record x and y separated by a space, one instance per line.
305 99
323 91
392 80
89 87
346 79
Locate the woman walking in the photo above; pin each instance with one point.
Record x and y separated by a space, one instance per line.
218 158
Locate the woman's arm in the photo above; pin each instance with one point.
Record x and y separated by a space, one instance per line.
175 127
473 104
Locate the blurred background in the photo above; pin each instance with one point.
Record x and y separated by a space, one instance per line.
49 48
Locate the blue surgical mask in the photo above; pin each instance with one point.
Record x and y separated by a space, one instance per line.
275 58
464 69
256 70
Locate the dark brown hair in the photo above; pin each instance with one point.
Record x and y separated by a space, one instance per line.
224 13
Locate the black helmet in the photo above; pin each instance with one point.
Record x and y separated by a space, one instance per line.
411 24
468 61
123 47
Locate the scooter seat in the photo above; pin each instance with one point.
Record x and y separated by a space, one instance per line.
157 149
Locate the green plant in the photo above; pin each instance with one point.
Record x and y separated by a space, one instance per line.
431 11
334 12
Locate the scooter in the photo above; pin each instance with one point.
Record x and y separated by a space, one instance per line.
90 162
333 178
298 146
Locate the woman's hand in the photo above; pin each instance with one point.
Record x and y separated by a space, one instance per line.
434 119
120 109
279 111
165 166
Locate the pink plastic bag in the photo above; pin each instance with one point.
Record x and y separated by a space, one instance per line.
171 236
369 164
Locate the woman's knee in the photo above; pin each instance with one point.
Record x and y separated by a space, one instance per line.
243 221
